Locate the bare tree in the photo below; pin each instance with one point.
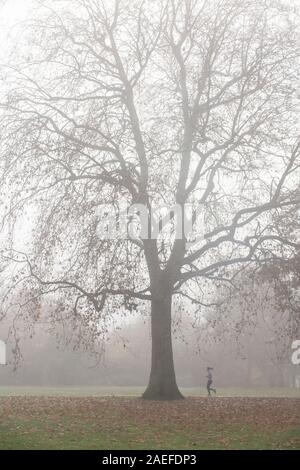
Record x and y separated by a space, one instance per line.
173 101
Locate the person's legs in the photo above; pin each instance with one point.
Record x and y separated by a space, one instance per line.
210 389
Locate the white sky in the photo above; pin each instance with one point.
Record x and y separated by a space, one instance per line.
12 12
15 10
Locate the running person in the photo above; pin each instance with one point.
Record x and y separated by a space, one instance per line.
210 381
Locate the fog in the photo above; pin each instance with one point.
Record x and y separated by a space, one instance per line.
254 360
76 309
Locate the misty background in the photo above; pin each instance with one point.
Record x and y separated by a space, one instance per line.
249 351
254 358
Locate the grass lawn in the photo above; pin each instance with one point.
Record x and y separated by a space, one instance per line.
94 422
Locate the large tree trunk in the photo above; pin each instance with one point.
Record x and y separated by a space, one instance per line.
162 383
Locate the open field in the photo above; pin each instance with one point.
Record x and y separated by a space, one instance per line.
105 391
81 422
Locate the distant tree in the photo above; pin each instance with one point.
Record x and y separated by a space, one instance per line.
283 273
171 102
262 304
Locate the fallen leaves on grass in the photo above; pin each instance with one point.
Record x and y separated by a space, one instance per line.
191 414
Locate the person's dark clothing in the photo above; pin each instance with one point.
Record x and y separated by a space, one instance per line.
209 384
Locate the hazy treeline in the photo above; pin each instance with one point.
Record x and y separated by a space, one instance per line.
253 361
